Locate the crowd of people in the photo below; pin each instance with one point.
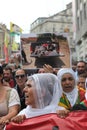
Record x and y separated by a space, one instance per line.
49 90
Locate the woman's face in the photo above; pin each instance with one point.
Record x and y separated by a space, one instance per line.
67 82
29 93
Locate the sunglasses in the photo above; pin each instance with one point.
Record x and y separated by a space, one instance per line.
21 76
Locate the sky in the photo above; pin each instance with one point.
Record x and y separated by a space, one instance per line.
24 12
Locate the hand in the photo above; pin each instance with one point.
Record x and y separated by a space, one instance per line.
62 113
18 118
3 122
48 68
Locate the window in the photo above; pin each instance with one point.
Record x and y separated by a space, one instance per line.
77 4
80 1
81 17
84 10
78 23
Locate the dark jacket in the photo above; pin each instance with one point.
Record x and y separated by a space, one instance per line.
22 97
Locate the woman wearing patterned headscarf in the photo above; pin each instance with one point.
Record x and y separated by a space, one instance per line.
72 96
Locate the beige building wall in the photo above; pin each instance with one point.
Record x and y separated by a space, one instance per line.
80 15
3 29
58 23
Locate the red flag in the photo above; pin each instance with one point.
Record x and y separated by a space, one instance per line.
6 40
76 120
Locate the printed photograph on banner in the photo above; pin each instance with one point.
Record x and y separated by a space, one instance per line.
47 48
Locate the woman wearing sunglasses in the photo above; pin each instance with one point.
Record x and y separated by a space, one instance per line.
21 77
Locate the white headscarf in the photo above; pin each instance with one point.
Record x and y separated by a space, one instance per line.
73 95
47 83
86 88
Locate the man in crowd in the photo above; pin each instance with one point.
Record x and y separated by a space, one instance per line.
81 68
8 77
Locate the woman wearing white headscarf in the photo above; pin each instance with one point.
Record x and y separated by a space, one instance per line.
71 94
42 94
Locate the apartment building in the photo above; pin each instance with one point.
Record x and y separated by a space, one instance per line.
80 22
58 23
4 37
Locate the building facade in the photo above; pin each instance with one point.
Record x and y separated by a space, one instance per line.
58 23
5 40
80 22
